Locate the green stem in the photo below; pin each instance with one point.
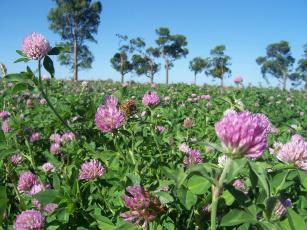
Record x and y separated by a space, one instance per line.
31 158
132 156
40 86
216 191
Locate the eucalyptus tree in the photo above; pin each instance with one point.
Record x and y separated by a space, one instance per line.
171 47
144 60
278 62
76 21
121 60
198 65
219 64
301 69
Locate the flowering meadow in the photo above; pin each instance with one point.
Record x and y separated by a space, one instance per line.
104 155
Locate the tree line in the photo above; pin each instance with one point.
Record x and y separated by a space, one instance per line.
77 21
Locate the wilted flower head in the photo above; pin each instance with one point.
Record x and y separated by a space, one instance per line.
184 148
84 84
206 209
69 136
222 160
35 137
108 118
295 151
151 99
35 46
49 208
26 181
193 158
187 123
48 167
167 99
243 134
45 78
43 101
205 97
239 184
302 114
154 85
56 138
90 170
142 207
160 128
55 148
4 115
16 159
238 79
29 220
37 204
280 208
125 84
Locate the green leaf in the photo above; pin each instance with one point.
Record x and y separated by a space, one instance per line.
48 65
2 137
56 181
269 226
22 59
126 226
3 202
165 197
198 184
295 220
258 169
236 217
303 177
187 198
228 197
55 51
47 196
178 175
6 152
235 168
18 77
21 53
20 87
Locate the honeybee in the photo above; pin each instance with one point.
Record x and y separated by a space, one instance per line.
128 107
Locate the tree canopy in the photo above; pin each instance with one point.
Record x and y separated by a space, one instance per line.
278 62
76 21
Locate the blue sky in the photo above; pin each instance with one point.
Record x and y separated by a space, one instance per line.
245 27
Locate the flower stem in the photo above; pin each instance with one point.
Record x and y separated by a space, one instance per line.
216 191
40 86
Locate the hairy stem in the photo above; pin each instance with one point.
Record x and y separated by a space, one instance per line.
216 191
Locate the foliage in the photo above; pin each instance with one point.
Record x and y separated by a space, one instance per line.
278 62
171 47
144 61
76 22
198 65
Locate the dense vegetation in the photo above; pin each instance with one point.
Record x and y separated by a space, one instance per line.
145 151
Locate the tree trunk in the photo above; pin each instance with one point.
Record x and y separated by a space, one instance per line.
222 82
122 68
166 70
194 78
285 82
75 60
122 78
75 50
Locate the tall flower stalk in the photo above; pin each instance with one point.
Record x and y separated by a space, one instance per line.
44 94
216 192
